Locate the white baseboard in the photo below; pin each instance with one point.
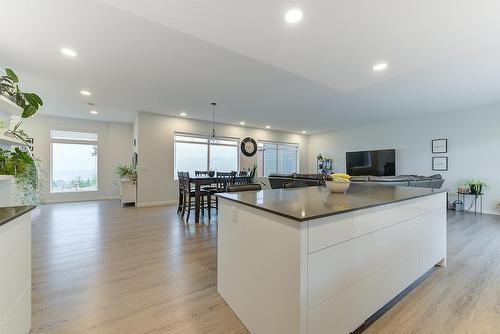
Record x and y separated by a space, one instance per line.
148 204
83 199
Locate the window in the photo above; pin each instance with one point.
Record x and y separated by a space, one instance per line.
73 161
195 152
279 158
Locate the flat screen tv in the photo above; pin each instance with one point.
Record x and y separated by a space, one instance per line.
377 163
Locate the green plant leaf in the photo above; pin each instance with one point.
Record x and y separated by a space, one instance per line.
29 110
36 98
12 76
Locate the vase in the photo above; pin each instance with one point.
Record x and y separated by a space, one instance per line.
476 190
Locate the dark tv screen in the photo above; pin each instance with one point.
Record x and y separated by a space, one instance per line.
377 163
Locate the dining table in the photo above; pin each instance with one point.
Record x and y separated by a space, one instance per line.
204 180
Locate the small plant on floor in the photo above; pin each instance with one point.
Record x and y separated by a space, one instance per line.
126 172
476 186
30 102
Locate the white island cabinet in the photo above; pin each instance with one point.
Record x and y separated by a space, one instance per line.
297 261
15 270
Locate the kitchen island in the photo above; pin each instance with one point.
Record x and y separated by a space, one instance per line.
15 269
309 261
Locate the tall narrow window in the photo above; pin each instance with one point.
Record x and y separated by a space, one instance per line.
73 161
196 152
281 158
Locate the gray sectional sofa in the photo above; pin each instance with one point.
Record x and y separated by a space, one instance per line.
434 181
278 181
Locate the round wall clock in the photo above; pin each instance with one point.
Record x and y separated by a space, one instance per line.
248 146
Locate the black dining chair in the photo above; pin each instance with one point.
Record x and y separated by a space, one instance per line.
188 196
223 180
201 173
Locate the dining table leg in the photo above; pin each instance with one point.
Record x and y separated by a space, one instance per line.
197 193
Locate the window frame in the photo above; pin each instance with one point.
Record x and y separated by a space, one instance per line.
53 141
261 143
208 143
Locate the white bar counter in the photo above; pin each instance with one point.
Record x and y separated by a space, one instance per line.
308 261
15 270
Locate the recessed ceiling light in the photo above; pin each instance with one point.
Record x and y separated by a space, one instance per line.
293 16
183 114
85 92
94 112
268 126
69 52
380 67
242 123
303 131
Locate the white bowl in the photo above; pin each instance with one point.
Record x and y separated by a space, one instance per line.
338 187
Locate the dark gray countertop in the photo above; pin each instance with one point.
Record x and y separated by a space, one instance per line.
9 213
302 204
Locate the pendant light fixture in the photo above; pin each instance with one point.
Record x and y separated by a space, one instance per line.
213 137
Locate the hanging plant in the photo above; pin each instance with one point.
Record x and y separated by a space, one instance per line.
30 102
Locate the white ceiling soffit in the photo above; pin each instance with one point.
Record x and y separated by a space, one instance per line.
177 56
337 42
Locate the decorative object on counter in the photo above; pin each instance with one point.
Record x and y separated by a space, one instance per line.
338 183
249 146
253 173
476 186
9 85
440 146
440 164
323 164
463 189
126 172
211 173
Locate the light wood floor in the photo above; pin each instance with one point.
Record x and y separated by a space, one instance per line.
100 268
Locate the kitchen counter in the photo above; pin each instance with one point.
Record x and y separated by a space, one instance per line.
303 204
307 261
10 213
15 269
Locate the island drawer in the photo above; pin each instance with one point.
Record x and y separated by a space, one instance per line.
329 231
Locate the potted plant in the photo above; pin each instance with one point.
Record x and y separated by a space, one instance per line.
9 85
476 186
21 165
126 172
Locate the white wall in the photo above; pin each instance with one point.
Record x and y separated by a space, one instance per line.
155 145
473 147
115 147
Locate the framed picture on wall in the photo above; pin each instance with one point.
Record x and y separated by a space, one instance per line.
440 146
440 164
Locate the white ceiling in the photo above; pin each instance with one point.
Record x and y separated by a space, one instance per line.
179 55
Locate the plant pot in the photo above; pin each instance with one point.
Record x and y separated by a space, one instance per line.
476 190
